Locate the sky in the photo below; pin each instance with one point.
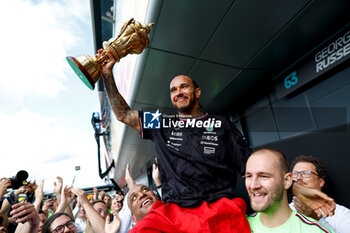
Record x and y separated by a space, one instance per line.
45 110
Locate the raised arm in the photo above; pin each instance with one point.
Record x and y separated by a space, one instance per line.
97 222
58 188
5 183
156 178
25 213
120 108
155 174
12 198
114 226
95 196
39 196
129 180
66 199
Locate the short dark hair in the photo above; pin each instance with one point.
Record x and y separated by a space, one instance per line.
98 201
49 221
321 171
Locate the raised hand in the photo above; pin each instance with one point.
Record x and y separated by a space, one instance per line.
25 212
58 186
155 175
129 180
39 193
49 204
5 183
96 220
39 196
66 198
114 226
81 196
107 66
318 201
304 209
95 197
67 195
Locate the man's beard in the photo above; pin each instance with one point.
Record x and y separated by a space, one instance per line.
190 105
273 199
185 109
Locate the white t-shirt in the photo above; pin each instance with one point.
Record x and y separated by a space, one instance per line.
339 222
125 217
80 225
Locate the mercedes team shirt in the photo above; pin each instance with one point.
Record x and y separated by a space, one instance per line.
198 158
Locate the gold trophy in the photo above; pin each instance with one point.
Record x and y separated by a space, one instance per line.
132 39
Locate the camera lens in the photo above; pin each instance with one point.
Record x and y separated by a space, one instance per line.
18 180
22 175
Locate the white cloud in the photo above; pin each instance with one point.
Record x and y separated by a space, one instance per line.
46 147
36 36
35 40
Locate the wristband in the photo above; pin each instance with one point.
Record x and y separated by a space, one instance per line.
159 186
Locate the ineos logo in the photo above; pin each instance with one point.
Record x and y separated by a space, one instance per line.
210 138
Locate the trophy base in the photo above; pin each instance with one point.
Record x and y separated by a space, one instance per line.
82 73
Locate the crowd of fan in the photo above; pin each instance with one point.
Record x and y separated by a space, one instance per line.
70 210
26 210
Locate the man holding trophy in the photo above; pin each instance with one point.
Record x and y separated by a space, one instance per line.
196 185
198 165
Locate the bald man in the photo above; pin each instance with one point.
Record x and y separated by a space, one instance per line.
151 215
267 180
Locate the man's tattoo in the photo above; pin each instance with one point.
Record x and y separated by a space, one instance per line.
120 107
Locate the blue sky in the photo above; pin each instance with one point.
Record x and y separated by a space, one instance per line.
45 109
